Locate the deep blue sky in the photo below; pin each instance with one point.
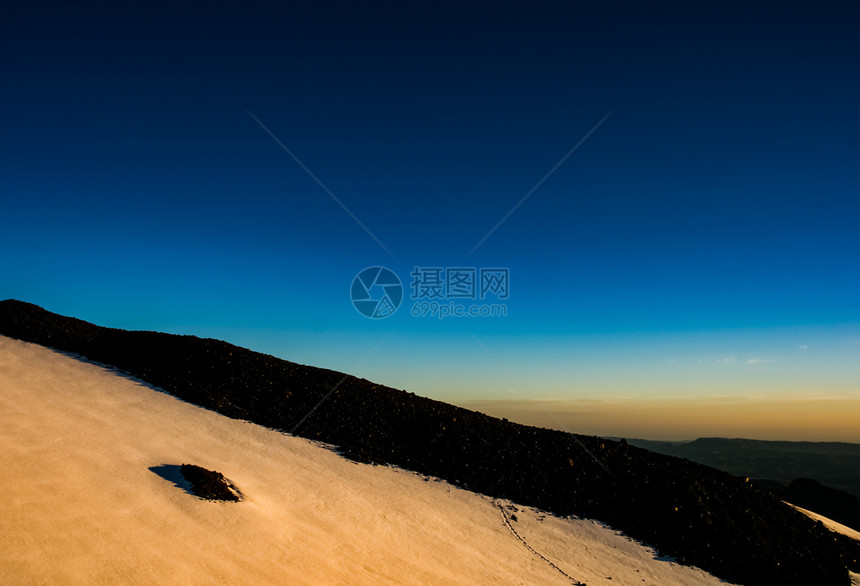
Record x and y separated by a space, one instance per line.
712 219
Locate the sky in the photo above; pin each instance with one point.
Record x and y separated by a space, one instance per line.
667 193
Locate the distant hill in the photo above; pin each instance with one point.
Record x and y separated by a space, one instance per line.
829 502
833 464
698 515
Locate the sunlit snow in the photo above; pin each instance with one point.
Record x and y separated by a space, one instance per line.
86 500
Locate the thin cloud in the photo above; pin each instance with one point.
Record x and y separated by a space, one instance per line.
734 360
760 360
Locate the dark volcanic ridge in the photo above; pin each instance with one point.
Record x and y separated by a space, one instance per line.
695 514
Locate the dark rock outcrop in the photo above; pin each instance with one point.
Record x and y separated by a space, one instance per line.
208 484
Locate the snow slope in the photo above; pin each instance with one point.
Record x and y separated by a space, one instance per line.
836 527
830 523
87 469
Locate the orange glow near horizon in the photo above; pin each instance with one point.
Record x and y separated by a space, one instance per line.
811 418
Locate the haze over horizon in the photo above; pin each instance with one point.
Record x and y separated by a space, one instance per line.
690 269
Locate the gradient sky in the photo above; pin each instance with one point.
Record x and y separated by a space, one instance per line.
695 262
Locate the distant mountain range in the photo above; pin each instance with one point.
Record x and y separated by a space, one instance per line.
700 516
835 464
821 476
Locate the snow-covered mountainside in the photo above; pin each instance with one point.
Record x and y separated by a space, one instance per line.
89 460
702 517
